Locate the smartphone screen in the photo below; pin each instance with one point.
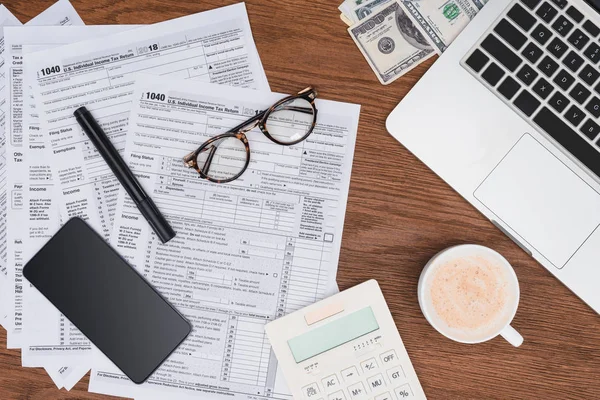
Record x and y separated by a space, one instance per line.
107 300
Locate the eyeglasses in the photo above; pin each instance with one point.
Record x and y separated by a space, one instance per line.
224 158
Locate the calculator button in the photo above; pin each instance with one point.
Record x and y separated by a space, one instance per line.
384 396
396 375
330 382
404 392
356 390
339 395
389 357
376 382
369 365
310 391
349 373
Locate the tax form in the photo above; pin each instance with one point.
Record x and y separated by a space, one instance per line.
6 19
47 336
246 252
61 13
213 46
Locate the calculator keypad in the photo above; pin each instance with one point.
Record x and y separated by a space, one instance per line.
339 395
357 390
389 358
369 365
376 382
396 374
331 382
349 373
379 377
311 391
384 396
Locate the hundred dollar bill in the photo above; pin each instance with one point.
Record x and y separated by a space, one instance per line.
390 42
348 5
442 20
363 10
346 20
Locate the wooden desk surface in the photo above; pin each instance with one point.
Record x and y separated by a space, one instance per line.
399 215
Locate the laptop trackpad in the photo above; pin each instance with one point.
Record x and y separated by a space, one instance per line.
542 200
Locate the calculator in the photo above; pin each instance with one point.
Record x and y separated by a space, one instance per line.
345 347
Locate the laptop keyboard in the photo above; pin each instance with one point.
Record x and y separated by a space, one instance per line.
541 58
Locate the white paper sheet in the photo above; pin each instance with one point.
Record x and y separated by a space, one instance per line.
47 335
214 46
6 19
66 377
245 252
61 13
230 34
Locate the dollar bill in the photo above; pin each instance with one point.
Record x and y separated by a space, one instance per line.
346 20
362 11
442 20
390 42
348 5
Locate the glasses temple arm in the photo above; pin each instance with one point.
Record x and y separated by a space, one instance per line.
211 154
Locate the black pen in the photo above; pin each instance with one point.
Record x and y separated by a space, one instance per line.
112 157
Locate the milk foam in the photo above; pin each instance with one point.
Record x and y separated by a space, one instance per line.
472 296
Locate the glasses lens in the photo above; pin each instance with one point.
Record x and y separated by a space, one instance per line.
223 159
290 121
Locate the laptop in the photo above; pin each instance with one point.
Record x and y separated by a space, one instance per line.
509 117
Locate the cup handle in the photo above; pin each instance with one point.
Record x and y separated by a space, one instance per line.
512 336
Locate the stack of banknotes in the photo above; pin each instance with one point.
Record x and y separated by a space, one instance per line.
397 35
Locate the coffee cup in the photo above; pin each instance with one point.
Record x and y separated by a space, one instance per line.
470 294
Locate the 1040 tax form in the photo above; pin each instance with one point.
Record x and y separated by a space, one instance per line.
246 252
214 46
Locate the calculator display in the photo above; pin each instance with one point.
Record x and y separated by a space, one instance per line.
333 334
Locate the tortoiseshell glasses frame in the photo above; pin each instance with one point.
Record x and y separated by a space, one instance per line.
239 132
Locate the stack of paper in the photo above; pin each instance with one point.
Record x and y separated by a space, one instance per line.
245 253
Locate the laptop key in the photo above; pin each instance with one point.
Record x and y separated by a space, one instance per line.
564 79
548 66
560 3
578 39
592 52
573 61
557 47
512 35
575 14
589 75
590 129
591 28
569 139
477 60
509 87
597 88
527 75
532 52
562 25
541 34
574 115
559 102
493 74
531 3
521 17
546 12
501 52
594 107
527 103
579 93
543 88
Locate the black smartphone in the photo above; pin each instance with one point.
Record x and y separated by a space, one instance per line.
107 300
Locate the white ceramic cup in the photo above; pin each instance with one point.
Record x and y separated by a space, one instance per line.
470 250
